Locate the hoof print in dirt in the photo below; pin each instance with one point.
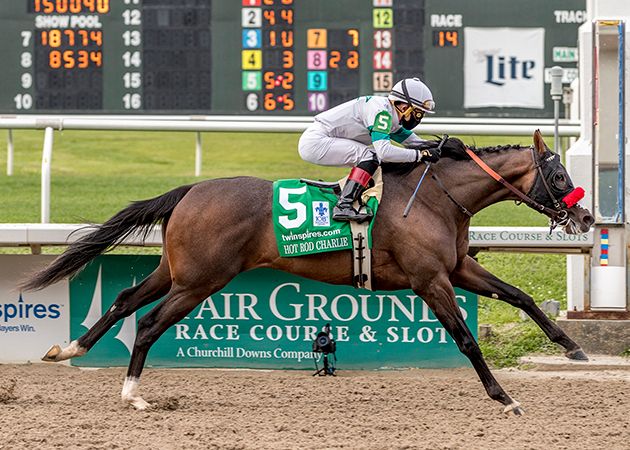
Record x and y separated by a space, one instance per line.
7 392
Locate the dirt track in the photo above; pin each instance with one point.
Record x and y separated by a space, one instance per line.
57 406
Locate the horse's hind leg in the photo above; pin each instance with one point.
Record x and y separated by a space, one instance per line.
128 301
171 310
470 275
440 297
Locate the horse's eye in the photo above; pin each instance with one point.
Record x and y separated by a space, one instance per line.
560 180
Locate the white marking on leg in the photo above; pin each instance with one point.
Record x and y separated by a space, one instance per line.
71 351
130 394
56 354
514 408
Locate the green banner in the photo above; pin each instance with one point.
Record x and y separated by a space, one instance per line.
268 319
302 220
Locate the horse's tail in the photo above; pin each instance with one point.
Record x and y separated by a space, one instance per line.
137 218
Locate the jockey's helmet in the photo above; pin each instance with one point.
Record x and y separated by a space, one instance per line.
416 94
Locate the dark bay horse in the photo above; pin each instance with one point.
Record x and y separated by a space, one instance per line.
216 229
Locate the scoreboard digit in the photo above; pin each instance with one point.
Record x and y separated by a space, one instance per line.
278 55
132 57
268 55
333 67
251 53
67 56
397 45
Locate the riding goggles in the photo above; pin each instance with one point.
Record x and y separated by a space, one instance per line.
427 106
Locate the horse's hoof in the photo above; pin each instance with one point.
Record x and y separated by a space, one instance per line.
52 354
577 355
130 395
139 404
514 408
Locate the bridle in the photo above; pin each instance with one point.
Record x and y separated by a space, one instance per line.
559 214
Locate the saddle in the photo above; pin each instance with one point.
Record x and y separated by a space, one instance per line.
332 185
375 187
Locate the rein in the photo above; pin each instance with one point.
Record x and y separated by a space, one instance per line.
558 216
461 207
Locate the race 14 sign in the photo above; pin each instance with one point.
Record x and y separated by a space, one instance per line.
268 319
504 67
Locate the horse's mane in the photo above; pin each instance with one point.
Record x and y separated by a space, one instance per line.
453 149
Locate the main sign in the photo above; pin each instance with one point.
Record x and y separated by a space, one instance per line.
269 319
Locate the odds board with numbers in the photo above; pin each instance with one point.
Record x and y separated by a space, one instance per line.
233 56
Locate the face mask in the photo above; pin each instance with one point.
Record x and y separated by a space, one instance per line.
412 119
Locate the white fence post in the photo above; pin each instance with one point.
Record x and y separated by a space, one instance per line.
46 164
10 153
198 155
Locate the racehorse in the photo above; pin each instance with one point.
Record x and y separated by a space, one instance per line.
215 229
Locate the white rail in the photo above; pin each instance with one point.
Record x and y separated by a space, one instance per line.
489 238
454 126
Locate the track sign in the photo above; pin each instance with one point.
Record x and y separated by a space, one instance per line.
565 54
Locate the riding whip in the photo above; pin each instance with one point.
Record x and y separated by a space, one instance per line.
413 196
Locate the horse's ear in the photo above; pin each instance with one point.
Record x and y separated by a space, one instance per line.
539 143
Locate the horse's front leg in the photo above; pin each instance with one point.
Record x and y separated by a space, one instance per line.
440 297
469 275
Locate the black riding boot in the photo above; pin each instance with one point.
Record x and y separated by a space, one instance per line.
343 210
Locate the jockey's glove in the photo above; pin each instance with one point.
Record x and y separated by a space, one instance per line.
429 155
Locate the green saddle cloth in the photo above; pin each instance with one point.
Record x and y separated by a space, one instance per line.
303 223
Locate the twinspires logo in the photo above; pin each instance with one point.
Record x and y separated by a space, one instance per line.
500 69
22 310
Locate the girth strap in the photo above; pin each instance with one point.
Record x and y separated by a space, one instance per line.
361 256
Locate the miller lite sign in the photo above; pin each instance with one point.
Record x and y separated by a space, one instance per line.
504 67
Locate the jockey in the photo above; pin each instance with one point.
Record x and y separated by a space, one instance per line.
358 134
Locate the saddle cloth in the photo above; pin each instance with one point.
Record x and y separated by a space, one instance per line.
302 217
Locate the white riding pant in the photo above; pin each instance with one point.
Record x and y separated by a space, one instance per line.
317 147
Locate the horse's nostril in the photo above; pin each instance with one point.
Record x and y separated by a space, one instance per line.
588 220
